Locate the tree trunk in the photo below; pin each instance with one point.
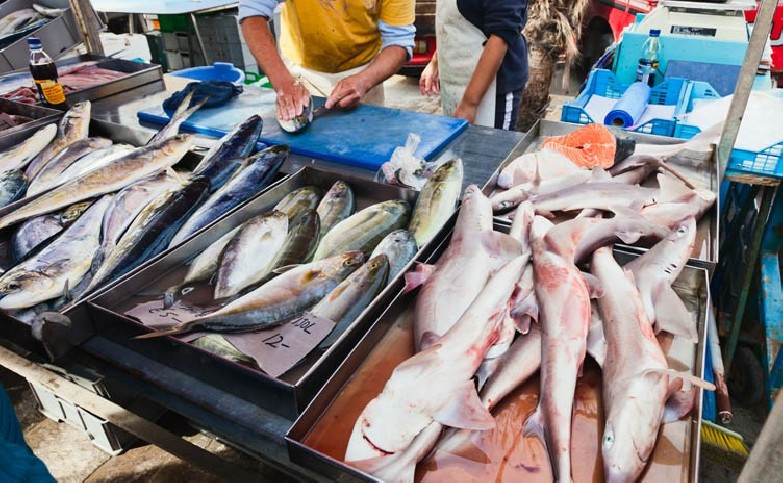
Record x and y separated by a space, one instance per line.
535 98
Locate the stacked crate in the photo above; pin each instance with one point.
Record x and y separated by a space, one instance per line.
180 46
223 40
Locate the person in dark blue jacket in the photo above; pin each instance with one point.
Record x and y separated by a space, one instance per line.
18 463
480 67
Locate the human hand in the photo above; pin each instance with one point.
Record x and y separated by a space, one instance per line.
429 82
291 100
347 93
466 111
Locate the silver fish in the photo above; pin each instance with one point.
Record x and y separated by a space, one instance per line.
299 200
18 156
50 173
34 232
251 253
60 265
349 299
400 248
364 229
13 185
436 201
285 296
136 165
73 127
95 159
337 204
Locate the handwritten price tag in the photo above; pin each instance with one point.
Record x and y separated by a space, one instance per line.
278 349
154 315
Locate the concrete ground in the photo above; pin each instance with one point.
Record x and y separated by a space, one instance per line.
71 457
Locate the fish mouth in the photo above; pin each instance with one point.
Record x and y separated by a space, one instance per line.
375 447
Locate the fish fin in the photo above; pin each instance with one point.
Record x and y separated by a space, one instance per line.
671 315
524 312
540 228
599 174
534 426
463 409
66 290
686 379
680 402
593 285
503 247
178 329
485 371
596 342
285 268
428 339
536 182
672 189
523 324
384 468
418 276
520 225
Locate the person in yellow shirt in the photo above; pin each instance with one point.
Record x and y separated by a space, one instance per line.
344 47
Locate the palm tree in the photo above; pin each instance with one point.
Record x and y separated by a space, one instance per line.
552 30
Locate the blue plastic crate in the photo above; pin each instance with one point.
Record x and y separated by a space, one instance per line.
671 92
699 90
765 162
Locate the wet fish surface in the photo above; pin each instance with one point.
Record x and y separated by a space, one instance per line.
436 201
337 204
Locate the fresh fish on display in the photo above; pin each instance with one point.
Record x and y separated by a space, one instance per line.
391 421
626 226
275 302
656 270
51 171
229 152
129 202
218 345
181 114
301 241
138 164
364 229
682 203
72 127
201 268
601 196
545 164
47 11
19 155
564 312
348 300
57 267
255 174
13 185
95 159
16 20
34 232
151 230
505 200
437 201
475 248
299 201
400 248
337 204
634 369
250 254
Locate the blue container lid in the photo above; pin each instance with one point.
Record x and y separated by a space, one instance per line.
655 33
219 71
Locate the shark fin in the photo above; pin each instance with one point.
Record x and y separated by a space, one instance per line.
534 426
596 342
680 402
672 189
465 410
671 315
593 285
418 276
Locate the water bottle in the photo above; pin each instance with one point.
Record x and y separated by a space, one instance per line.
44 73
649 61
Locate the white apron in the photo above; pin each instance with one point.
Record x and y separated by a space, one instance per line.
322 83
460 45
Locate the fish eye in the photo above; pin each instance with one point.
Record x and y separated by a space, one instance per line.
13 286
682 230
347 262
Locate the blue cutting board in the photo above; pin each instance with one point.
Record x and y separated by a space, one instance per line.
364 137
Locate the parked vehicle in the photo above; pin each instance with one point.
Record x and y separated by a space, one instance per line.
606 19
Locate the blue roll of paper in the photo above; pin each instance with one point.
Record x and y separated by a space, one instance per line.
630 107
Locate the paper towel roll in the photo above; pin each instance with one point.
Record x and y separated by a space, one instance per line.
630 107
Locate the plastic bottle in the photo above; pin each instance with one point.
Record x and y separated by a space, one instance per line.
45 76
649 61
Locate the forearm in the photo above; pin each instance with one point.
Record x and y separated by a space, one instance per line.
486 70
262 45
386 64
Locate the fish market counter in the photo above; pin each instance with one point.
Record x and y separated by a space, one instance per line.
243 407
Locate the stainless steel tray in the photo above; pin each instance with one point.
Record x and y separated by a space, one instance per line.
702 172
287 395
318 438
40 117
17 330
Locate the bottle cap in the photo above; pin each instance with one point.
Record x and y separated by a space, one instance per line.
34 42
655 33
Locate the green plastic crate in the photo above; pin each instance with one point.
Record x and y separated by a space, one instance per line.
174 23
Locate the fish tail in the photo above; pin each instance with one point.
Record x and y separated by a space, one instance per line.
178 329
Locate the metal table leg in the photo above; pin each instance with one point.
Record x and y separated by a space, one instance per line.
767 193
198 37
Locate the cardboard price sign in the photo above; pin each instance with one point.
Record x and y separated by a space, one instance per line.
275 350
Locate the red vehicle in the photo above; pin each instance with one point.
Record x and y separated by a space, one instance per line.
425 45
606 19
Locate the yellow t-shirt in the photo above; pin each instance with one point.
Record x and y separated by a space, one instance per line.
337 35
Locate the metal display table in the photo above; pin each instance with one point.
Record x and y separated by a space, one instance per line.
247 427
